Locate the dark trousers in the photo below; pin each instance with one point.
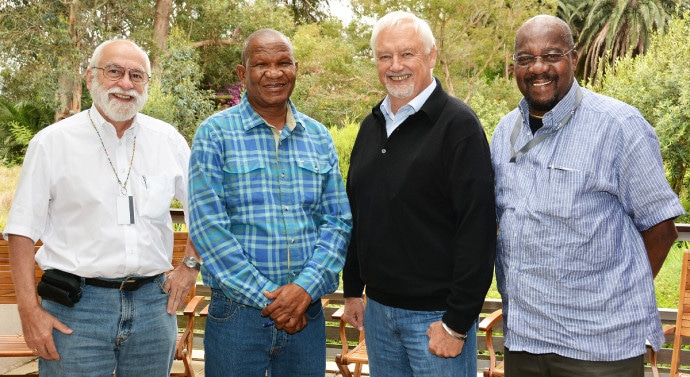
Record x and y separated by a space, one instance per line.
525 364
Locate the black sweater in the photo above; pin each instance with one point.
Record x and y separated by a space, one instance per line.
424 229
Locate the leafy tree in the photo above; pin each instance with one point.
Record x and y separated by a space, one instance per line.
351 87
46 45
606 30
655 83
344 139
18 124
178 86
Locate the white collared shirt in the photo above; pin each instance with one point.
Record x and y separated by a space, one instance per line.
67 196
394 120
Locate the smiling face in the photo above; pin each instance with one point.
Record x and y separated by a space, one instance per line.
542 84
118 101
403 66
269 71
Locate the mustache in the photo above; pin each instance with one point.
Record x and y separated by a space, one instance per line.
130 92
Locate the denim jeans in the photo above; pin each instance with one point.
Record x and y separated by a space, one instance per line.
398 346
129 333
237 344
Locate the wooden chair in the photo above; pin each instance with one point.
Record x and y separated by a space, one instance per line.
12 345
356 355
185 339
682 328
487 325
668 330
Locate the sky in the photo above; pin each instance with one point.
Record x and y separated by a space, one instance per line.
341 9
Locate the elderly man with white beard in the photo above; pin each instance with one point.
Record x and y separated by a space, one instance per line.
96 189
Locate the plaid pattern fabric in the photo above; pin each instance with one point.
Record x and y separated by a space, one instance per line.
260 218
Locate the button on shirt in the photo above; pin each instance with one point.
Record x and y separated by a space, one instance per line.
571 264
67 196
262 218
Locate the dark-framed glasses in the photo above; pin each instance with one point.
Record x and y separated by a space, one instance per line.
115 72
550 58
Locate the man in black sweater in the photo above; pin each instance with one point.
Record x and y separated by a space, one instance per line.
420 187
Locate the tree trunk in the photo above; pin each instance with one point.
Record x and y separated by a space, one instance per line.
69 81
161 29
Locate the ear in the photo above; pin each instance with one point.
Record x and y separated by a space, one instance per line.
432 56
89 77
573 57
241 72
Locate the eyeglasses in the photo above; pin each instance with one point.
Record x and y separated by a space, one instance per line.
551 58
115 72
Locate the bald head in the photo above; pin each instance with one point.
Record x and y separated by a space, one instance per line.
263 35
555 24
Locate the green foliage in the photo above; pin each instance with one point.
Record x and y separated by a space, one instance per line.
606 30
332 85
179 89
489 111
667 281
160 103
344 138
656 84
18 124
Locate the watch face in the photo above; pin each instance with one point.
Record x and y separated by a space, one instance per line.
191 262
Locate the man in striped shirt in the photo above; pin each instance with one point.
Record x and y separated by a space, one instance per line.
271 220
585 219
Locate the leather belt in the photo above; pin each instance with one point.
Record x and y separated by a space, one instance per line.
127 284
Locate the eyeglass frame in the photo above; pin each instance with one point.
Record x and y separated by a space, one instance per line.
145 75
534 58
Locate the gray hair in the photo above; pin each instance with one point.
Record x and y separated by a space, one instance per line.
98 53
396 18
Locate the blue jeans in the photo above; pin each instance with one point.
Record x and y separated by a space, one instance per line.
398 346
129 333
236 343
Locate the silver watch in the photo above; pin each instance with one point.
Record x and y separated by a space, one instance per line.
191 262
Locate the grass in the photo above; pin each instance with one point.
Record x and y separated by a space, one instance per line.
667 282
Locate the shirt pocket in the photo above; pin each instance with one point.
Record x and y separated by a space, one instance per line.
245 181
312 177
559 191
158 193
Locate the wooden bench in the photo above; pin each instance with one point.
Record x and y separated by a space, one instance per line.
13 345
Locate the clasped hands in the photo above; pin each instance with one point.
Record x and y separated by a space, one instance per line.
288 307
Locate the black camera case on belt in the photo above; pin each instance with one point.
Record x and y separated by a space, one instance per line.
61 287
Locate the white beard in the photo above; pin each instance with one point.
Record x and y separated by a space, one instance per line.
401 92
117 111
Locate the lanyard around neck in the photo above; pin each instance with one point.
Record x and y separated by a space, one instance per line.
539 138
123 186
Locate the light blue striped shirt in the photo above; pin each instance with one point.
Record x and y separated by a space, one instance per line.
260 218
571 265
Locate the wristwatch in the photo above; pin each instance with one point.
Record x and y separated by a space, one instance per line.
192 262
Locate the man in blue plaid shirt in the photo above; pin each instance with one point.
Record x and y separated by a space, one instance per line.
270 218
